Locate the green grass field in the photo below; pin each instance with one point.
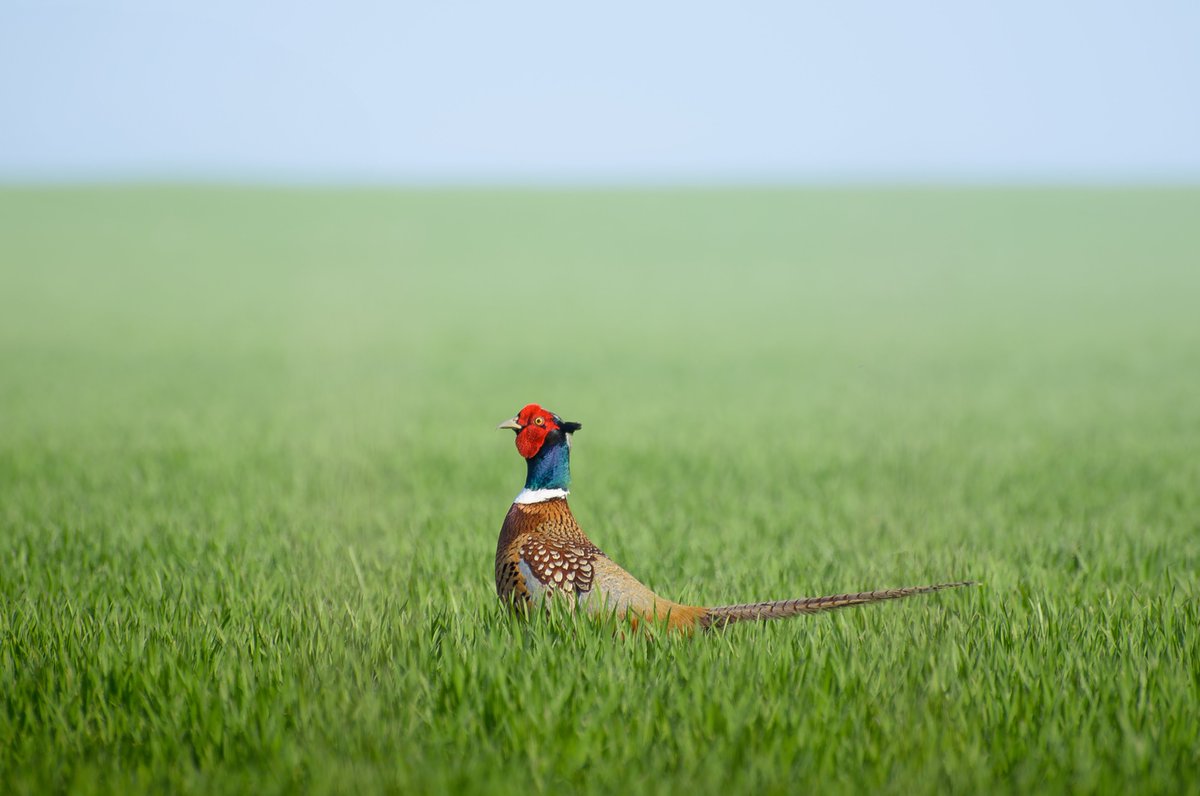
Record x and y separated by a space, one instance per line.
250 488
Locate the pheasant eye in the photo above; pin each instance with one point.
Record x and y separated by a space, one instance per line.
539 421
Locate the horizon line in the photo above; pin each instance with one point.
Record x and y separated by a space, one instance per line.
590 183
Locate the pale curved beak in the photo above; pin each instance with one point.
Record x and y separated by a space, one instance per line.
513 424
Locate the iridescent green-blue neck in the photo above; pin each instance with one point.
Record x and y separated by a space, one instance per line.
551 467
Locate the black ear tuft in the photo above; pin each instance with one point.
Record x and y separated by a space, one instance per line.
569 428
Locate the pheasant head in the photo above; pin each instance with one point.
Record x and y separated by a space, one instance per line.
544 439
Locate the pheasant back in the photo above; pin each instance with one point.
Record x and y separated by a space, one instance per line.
543 554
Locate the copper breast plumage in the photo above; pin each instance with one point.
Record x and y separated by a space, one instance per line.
542 543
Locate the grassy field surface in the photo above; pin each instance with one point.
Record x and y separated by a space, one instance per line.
250 488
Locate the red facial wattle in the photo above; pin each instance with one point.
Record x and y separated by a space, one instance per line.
535 423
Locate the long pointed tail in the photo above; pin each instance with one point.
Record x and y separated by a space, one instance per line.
779 609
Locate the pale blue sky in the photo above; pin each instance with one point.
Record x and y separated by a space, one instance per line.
615 92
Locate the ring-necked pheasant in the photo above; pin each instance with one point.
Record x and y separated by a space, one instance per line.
543 553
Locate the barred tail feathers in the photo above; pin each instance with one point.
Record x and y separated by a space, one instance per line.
780 609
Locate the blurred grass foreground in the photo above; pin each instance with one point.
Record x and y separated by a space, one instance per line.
250 487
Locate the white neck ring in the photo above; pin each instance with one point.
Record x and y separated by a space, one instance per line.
539 495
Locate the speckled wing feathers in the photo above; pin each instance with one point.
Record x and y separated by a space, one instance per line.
567 566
